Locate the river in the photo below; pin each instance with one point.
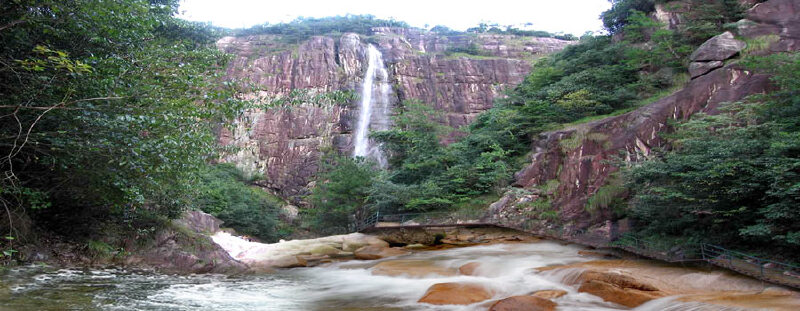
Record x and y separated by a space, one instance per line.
508 269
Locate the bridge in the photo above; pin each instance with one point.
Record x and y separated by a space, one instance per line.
763 269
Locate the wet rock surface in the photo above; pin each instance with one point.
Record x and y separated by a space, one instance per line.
185 247
455 294
523 303
412 269
633 283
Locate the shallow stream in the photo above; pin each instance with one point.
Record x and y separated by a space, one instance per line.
507 269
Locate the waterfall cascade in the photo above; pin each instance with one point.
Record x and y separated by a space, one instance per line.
375 107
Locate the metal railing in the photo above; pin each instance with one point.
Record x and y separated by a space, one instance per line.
411 219
760 268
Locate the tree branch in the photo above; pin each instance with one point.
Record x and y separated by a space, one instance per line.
11 24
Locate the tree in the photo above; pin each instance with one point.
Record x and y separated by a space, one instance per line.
106 106
733 178
340 196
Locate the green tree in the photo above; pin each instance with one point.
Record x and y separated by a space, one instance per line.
341 193
106 106
223 191
732 178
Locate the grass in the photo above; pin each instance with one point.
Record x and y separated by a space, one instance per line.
458 55
606 195
575 140
759 44
473 207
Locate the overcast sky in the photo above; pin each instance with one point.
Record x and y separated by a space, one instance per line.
568 16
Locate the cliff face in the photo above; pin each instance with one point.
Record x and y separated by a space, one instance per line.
570 166
283 143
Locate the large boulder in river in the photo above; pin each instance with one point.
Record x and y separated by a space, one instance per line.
523 303
718 48
183 247
469 268
549 293
618 288
199 222
377 252
352 242
411 268
455 294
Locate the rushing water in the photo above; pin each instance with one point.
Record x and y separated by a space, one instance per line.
374 109
506 268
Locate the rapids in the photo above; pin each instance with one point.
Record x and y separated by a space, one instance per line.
507 269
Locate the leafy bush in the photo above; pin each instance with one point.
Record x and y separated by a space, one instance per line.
223 191
340 196
733 178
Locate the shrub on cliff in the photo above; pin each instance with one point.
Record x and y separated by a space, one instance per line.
734 178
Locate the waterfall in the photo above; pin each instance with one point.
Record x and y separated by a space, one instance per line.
374 109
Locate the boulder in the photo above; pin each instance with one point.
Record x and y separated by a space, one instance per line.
455 294
618 288
313 260
549 294
323 249
523 303
377 252
288 261
469 268
625 296
718 48
411 268
199 222
352 242
697 69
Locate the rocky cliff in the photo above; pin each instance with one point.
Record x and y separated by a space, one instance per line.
282 142
570 166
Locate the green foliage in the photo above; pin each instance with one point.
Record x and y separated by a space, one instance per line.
733 178
106 108
306 96
618 16
609 195
223 191
304 27
510 30
340 196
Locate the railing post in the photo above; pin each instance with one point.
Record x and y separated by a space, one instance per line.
730 257
760 266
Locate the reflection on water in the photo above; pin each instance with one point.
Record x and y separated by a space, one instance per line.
507 269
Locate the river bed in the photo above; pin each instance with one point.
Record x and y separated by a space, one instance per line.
507 269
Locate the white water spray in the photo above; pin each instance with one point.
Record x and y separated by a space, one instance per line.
374 110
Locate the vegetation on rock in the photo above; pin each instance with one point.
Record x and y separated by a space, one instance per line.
731 179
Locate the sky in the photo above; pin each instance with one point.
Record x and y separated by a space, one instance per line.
567 16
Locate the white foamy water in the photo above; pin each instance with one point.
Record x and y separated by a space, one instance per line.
506 269
375 107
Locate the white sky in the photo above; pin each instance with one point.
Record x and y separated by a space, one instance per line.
568 16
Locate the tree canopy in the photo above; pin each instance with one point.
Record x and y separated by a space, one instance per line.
105 105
